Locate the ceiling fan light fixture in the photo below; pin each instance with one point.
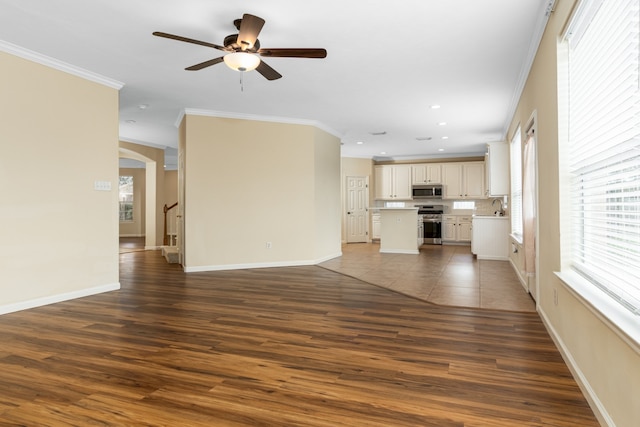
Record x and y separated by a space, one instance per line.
241 61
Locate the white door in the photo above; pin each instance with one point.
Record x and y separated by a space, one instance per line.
357 208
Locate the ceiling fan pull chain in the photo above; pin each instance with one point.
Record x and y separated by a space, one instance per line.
241 82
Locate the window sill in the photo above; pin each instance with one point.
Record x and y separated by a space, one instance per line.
517 238
620 320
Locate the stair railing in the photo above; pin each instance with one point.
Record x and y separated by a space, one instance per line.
166 241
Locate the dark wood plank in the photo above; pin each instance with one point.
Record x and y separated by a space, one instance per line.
299 346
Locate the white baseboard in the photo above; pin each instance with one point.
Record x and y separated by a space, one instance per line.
38 302
596 405
400 251
260 264
522 280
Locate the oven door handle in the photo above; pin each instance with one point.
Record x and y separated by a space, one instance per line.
431 220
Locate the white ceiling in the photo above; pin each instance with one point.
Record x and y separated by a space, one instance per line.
387 63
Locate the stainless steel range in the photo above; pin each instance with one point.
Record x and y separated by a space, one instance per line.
432 223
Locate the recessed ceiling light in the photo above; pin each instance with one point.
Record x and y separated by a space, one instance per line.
383 152
143 106
440 149
435 107
445 137
359 142
442 124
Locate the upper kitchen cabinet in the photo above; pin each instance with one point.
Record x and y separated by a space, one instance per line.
463 180
393 182
497 169
427 174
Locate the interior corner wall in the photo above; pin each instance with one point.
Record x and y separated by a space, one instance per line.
605 363
252 196
59 136
135 228
327 195
351 166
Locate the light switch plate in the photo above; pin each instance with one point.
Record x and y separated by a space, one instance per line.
102 185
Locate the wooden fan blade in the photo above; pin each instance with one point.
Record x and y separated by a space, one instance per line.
268 72
249 29
205 64
293 53
188 40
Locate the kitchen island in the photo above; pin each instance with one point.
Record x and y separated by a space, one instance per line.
398 230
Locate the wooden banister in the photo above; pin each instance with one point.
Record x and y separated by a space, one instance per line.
165 240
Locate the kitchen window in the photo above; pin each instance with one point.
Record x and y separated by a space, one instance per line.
601 160
126 198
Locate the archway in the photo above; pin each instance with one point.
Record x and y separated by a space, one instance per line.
151 237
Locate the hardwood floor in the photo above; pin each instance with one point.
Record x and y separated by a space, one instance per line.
299 346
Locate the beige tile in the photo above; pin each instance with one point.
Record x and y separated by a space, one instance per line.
445 275
455 296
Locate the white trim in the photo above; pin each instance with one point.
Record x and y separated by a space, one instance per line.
400 251
38 302
131 235
58 65
536 38
222 267
617 318
521 279
598 408
256 117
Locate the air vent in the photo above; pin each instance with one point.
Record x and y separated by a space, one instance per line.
379 133
423 138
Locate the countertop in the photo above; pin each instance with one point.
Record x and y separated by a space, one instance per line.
490 217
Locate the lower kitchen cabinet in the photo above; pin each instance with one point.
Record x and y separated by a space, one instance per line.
456 228
375 226
491 237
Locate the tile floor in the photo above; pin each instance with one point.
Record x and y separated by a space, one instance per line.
445 275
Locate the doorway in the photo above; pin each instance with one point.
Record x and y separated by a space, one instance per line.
357 209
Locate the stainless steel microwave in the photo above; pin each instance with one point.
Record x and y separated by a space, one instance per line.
426 191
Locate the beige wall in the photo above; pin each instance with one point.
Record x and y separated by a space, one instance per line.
60 236
170 187
135 228
607 366
354 167
251 182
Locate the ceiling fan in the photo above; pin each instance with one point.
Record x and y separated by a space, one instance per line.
244 51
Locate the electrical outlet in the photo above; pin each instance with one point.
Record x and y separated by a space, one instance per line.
268 245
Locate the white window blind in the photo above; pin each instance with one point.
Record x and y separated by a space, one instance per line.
516 184
604 138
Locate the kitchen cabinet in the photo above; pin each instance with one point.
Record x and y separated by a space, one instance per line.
393 182
490 239
375 226
430 173
463 180
497 169
456 228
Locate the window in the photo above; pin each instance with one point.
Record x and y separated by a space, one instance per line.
603 159
459 204
126 198
516 185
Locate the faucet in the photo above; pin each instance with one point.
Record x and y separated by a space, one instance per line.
501 210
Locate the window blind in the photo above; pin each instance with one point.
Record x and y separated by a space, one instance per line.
604 138
516 184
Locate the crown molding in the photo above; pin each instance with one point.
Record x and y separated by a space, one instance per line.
541 24
256 117
58 65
